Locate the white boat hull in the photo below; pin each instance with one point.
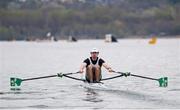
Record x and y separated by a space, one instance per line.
97 86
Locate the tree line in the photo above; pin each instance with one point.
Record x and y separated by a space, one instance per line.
86 21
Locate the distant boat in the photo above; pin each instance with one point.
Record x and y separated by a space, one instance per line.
153 40
72 39
110 38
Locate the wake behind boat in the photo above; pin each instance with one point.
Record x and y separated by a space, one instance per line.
97 86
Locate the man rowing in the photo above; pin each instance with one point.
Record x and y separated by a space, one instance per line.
93 66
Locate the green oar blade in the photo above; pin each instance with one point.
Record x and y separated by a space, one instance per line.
14 82
163 82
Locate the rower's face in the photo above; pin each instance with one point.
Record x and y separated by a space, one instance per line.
94 54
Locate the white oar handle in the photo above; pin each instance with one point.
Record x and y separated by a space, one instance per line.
61 74
123 73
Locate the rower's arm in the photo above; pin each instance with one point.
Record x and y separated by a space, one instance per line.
105 65
83 65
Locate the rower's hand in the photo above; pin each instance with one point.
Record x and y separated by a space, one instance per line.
110 70
127 74
80 71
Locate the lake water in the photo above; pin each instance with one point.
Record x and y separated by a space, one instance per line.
33 59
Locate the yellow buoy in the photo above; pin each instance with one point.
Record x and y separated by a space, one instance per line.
153 40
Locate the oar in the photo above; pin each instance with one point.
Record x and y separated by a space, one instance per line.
17 81
163 81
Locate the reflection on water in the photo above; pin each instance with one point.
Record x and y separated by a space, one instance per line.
174 90
39 106
18 92
92 96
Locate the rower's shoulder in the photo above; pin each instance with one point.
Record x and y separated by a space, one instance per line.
101 59
86 60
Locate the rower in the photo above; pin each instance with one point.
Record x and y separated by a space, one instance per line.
93 66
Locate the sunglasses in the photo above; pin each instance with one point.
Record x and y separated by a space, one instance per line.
94 52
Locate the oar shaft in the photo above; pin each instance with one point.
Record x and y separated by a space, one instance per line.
112 77
144 77
65 75
71 73
138 76
42 77
39 77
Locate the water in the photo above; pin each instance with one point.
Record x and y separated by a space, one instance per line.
32 59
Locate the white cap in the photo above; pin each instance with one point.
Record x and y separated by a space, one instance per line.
95 50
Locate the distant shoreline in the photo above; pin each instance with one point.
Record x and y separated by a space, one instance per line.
66 40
